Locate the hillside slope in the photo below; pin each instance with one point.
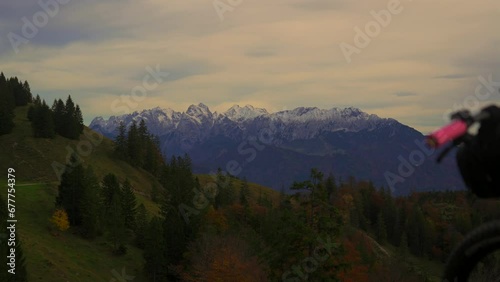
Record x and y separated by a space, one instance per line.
67 256
39 160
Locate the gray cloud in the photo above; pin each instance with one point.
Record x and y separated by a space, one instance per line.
264 53
320 5
452 76
187 69
260 53
405 94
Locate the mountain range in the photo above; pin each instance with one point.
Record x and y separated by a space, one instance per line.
275 149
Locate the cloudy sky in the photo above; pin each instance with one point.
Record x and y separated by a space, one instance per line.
421 59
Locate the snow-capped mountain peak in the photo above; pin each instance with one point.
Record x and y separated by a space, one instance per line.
198 110
237 113
199 123
345 140
200 113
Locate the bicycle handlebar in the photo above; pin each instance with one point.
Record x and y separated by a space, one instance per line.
456 129
447 133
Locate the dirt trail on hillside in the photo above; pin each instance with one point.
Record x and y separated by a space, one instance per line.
378 245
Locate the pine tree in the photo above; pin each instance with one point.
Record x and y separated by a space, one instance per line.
21 96
381 229
179 183
330 186
43 122
121 142
13 84
139 148
141 221
143 131
110 189
226 195
27 91
37 101
6 119
157 158
154 251
390 213
316 196
134 145
117 231
91 206
78 120
70 190
7 105
414 231
176 236
129 205
59 115
70 124
144 145
403 246
150 156
244 192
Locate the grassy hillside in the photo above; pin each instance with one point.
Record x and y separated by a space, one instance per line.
32 158
68 257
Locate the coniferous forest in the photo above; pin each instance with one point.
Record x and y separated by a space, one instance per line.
64 119
13 93
267 238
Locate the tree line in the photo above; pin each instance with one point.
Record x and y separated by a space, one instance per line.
139 148
62 118
13 93
424 224
100 207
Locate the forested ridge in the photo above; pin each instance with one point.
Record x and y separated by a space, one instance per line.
273 239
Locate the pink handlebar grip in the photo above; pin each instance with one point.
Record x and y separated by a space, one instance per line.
447 133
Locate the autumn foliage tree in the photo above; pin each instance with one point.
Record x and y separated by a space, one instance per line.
226 258
60 220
